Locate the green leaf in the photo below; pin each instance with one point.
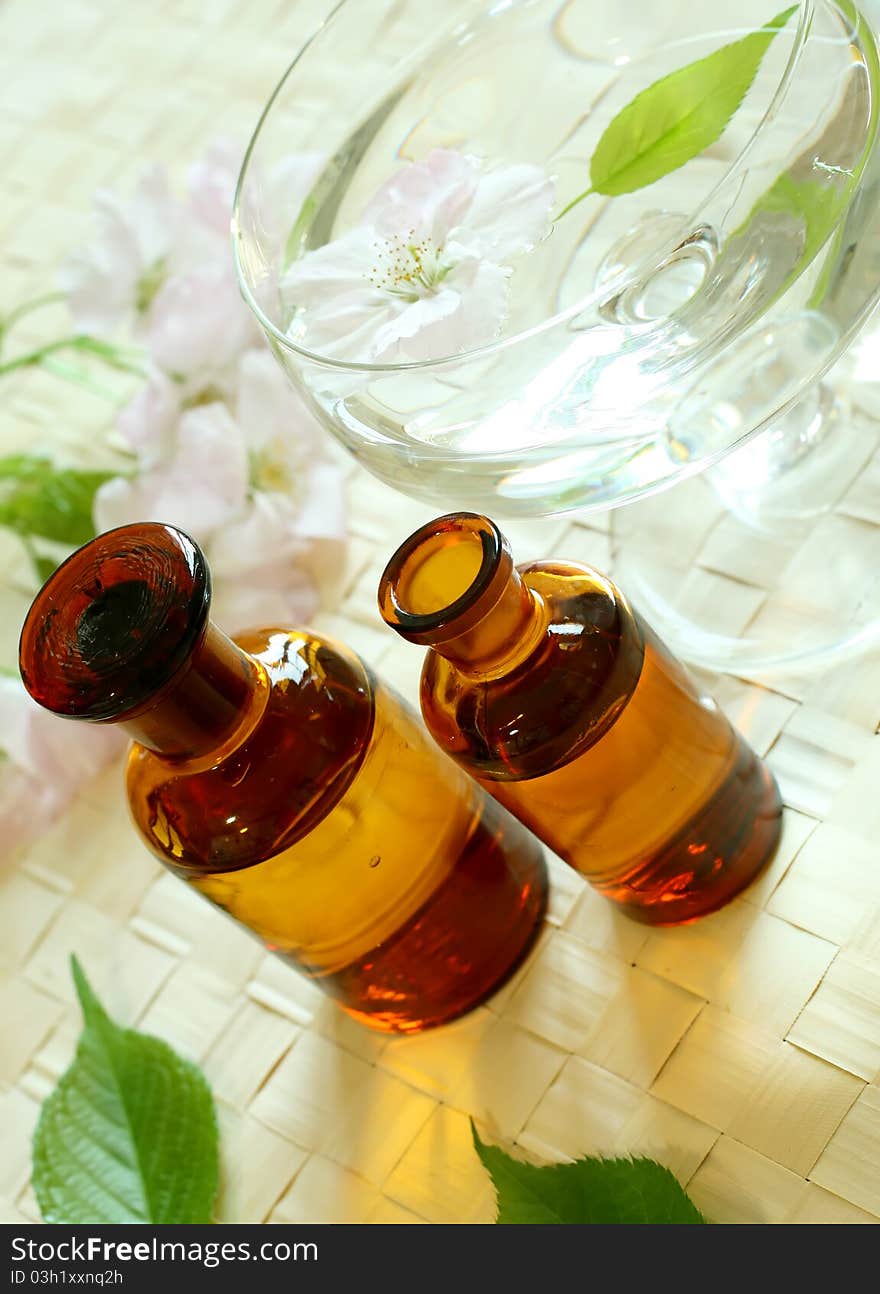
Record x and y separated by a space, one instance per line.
37 498
129 1134
44 566
813 205
589 1191
680 115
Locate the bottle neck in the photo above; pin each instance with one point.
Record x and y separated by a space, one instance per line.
453 587
504 637
121 633
209 708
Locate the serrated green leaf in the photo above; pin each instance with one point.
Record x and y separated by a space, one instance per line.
680 115
55 503
592 1190
129 1134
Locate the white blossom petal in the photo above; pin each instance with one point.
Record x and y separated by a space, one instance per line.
309 513
290 539
430 196
46 760
259 576
322 522
268 408
212 179
263 535
344 326
408 331
321 513
343 265
148 421
198 322
509 214
479 290
425 273
154 214
287 603
102 278
201 487
28 805
484 288
291 445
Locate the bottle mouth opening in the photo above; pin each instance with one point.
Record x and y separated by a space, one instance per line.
115 623
445 577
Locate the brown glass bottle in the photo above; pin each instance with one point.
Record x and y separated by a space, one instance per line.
555 696
279 778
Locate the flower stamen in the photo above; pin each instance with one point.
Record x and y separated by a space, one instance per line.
407 267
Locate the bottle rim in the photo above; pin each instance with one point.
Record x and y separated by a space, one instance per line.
462 611
116 623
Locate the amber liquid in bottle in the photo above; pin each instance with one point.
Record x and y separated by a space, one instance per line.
279 778
557 698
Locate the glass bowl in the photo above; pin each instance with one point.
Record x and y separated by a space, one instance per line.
648 333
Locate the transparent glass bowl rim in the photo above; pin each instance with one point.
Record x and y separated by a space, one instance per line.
500 344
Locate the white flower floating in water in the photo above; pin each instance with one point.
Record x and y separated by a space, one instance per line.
425 273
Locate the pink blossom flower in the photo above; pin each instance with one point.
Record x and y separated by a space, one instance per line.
117 273
222 445
44 760
425 272
259 569
165 268
198 322
212 179
148 421
200 485
252 482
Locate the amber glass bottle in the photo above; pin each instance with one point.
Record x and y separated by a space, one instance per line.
282 781
548 689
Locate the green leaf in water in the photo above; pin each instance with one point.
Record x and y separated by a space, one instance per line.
808 202
129 1134
815 207
592 1190
37 498
678 116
